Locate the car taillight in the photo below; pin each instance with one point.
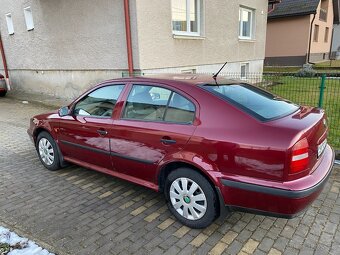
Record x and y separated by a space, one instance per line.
300 157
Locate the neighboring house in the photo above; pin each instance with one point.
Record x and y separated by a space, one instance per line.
298 32
62 47
336 31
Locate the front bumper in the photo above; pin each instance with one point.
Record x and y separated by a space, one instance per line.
285 199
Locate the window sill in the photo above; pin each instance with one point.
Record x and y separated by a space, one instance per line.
188 37
246 40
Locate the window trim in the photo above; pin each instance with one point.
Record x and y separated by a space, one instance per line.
244 64
121 117
9 22
252 24
29 18
72 108
188 29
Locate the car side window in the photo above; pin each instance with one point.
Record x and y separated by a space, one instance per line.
146 103
99 103
180 110
152 103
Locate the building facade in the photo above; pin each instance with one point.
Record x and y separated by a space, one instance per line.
61 47
298 32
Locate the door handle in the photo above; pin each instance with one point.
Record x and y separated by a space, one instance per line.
168 140
102 132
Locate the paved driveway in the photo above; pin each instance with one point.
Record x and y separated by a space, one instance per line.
78 211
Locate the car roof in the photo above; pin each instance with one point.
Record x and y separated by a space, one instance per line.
190 79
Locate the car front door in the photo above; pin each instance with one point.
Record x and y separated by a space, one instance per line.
84 134
155 122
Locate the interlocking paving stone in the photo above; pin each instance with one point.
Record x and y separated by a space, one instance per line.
79 211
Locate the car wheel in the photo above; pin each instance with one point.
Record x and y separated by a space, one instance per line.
48 151
191 198
3 93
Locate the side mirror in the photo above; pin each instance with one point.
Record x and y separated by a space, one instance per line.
64 111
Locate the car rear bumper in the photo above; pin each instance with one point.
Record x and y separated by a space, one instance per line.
285 199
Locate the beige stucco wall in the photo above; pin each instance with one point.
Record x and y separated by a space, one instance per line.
78 43
219 42
321 46
74 44
287 36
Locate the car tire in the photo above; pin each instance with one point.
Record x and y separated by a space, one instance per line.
3 93
48 151
196 205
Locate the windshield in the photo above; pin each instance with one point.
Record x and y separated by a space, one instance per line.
257 102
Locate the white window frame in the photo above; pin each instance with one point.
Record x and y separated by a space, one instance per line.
9 21
188 31
247 66
252 24
29 18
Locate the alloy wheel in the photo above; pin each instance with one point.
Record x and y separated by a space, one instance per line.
46 151
188 198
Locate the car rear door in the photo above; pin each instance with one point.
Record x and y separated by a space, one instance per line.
155 122
84 135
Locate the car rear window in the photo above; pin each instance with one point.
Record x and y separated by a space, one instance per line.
256 102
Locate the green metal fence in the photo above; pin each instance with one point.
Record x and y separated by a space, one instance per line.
322 90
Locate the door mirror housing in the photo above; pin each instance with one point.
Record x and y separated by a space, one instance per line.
64 111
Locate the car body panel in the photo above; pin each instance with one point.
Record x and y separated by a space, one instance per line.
79 139
223 143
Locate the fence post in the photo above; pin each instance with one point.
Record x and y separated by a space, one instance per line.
322 90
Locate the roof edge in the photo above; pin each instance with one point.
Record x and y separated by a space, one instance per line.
291 15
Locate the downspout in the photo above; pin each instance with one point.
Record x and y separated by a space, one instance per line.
128 36
4 61
310 39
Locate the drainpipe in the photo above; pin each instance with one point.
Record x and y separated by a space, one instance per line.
128 36
310 40
4 61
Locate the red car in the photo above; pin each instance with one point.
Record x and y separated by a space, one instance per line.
211 145
3 86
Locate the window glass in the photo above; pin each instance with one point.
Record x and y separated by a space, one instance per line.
146 103
180 110
99 103
179 15
258 103
186 16
316 33
245 23
29 18
244 70
9 21
326 34
193 16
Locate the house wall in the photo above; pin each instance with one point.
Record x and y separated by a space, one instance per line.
160 51
74 44
320 49
287 41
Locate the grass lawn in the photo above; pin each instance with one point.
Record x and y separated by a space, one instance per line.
331 63
305 91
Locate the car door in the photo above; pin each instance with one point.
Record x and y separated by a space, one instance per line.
84 135
154 123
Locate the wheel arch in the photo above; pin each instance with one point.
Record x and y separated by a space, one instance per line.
166 169
39 130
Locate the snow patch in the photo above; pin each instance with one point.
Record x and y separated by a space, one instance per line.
19 245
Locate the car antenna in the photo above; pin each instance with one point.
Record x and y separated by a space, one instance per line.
216 74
